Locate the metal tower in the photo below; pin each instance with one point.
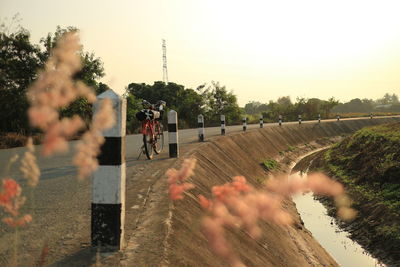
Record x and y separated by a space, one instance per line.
165 69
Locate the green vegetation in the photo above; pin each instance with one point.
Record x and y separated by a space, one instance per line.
210 100
368 164
310 108
20 61
270 164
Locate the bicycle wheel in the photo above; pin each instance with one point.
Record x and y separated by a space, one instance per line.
148 142
159 142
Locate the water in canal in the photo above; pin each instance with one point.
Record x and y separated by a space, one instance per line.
345 251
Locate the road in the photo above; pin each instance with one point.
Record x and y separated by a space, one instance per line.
60 204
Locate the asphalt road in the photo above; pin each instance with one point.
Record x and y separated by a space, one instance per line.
60 205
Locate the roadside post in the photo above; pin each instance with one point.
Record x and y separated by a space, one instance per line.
371 115
200 120
222 124
108 184
299 117
173 134
261 121
244 120
280 120
338 117
319 118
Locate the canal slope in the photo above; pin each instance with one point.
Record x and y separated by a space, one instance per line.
221 158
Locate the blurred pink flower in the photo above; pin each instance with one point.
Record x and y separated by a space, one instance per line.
11 201
89 147
239 205
29 167
55 88
177 178
13 222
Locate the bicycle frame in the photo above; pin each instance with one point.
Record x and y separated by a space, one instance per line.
148 124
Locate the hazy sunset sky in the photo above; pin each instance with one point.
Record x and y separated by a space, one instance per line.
260 49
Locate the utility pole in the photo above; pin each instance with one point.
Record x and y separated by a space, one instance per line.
165 69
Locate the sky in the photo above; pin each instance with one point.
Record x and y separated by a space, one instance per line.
260 49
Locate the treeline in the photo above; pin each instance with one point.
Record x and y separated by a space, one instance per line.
20 63
210 100
310 108
307 108
388 103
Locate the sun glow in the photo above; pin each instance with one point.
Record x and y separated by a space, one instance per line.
262 49
303 33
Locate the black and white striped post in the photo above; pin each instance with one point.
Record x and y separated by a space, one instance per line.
280 120
371 115
222 124
299 117
200 120
108 189
173 134
319 118
261 121
244 120
338 117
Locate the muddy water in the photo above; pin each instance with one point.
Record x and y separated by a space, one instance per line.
336 242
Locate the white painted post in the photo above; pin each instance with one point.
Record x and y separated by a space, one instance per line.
108 189
244 120
261 121
299 119
338 117
200 120
319 118
222 124
280 120
173 134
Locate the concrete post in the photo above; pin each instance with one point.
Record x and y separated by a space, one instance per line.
280 120
261 121
108 189
200 120
299 119
173 134
244 120
319 118
222 124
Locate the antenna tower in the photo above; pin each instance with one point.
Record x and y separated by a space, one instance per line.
165 69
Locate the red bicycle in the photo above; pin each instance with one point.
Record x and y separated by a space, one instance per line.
152 128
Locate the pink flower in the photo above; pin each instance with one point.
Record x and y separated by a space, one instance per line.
11 201
177 178
12 222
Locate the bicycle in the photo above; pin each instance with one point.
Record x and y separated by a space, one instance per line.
152 128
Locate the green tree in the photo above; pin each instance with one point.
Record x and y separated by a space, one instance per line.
217 101
19 62
92 70
187 102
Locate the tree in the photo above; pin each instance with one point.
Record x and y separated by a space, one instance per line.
91 71
219 101
187 102
19 62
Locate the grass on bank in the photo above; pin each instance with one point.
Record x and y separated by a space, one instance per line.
368 164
